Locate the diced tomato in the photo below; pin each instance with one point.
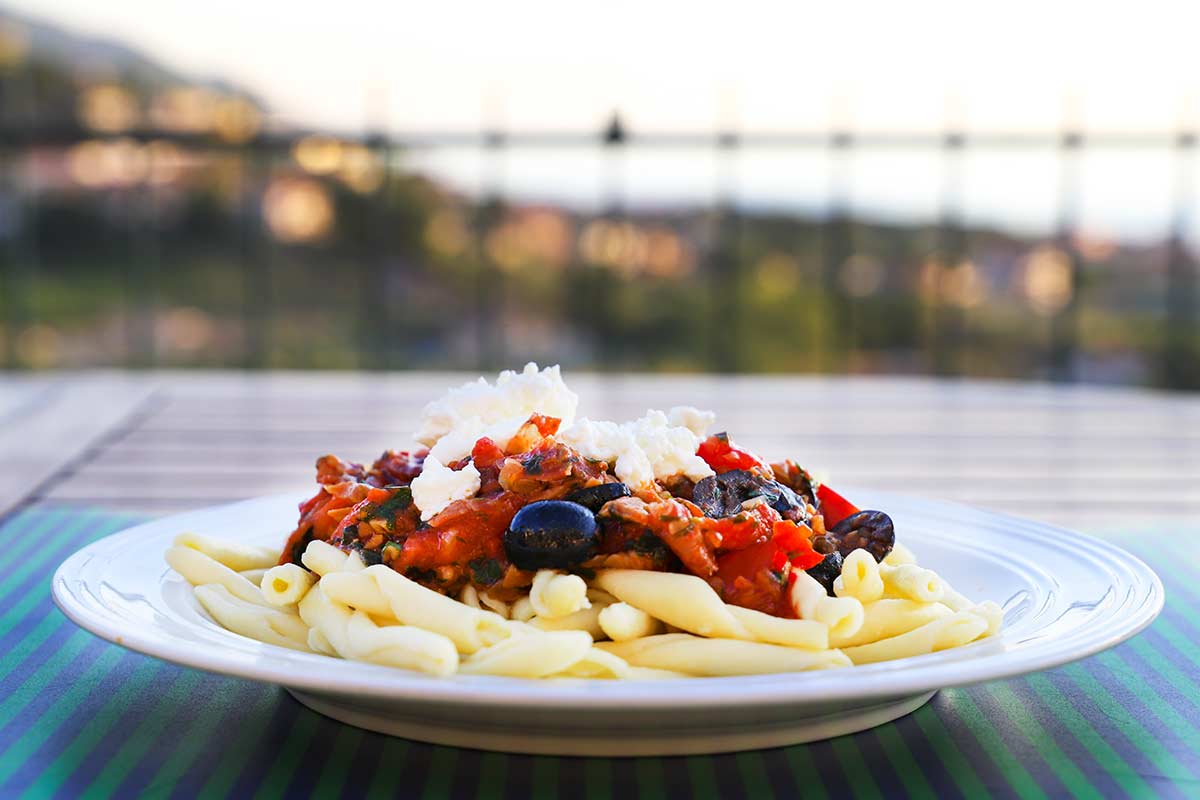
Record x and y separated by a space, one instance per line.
795 543
754 577
723 456
744 529
834 507
486 453
464 531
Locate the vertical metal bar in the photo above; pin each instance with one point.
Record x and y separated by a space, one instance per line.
949 318
491 347
22 250
376 338
838 241
1064 327
1181 349
726 336
255 248
606 333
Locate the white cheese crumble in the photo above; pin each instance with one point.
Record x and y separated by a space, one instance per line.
692 418
451 425
641 450
438 486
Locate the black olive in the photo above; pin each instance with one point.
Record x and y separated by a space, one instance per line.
594 497
867 530
827 571
722 495
551 534
789 504
824 545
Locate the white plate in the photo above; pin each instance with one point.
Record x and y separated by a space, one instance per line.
1065 595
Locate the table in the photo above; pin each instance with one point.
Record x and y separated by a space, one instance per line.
90 453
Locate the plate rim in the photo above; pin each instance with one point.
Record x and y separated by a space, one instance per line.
903 677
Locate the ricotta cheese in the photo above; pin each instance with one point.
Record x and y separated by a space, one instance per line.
438 486
451 425
643 449
692 418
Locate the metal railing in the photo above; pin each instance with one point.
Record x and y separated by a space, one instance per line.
1171 353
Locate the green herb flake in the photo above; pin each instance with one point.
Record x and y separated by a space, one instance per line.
486 571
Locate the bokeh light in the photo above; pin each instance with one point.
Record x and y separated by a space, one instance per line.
298 210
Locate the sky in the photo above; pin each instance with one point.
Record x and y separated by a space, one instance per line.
1015 65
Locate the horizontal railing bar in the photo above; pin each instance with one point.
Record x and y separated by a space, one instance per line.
275 141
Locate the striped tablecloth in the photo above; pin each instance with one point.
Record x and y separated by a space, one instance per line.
81 716
94 453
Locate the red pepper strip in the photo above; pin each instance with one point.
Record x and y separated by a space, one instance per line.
834 507
723 456
794 542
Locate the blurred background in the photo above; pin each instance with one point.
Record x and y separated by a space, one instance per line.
933 188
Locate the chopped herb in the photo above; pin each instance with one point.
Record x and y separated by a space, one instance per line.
387 510
390 550
647 543
421 575
486 570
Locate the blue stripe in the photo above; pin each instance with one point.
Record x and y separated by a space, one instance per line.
963 738
262 752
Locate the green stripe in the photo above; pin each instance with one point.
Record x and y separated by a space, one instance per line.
754 775
100 726
1109 759
804 771
1058 761
650 776
901 758
390 771
36 537
202 730
1019 779
950 757
597 778
492 770
1119 716
441 772
1162 663
24 747
37 681
338 761
862 783
545 777
148 732
1163 708
703 777
288 754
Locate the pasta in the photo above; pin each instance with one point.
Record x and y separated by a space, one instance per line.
554 594
843 615
537 546
235 555
199 568
622 622
286 584
695 655
255 621
954 630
